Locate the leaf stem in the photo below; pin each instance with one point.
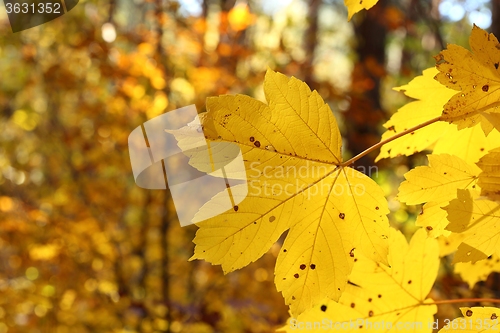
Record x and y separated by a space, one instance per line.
381 143
465 300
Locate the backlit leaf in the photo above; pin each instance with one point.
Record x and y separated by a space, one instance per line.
476 319
489 179
329 209
382 298
438 181
480 220
430 97
476 76
354 6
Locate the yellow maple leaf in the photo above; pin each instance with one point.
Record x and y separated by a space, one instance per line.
380 297
437 184
476 319
431 97
473 272
470 144
479 220
476 76
439 181
354 6
292 154
433 219
489 179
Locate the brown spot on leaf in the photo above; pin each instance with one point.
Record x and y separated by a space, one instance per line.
428 228
351 254
323 308
370 314
369 299
485 88
235 208
284 250
313 266
342 215
496 65
392 128
353 305
468 313
272 218
252 139
302 267
376 208
257 144
409 281
379 296
293 298
296 275
494 316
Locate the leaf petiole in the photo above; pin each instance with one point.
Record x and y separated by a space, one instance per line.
381 143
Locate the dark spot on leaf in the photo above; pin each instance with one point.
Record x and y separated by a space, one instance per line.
379 296
284 250
370 314
392 128
409 281
468 313
428 228
296 275
496 65
302 266
255 222
342 215
445 173
355 259
481 149
252 139
351 254
313 266
485 88
257 144
376 208
293 298
353 305
323 308
272 218
235 208
494 316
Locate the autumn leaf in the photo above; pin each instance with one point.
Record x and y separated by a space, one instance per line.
292 153
438 181
476 319
477 78
473 272
354 6
391 296
435 185
489 179
470 144
479 220
430 97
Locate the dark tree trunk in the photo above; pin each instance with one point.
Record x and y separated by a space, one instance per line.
365 113
495 17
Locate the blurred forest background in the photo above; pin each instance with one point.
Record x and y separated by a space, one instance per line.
82 248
